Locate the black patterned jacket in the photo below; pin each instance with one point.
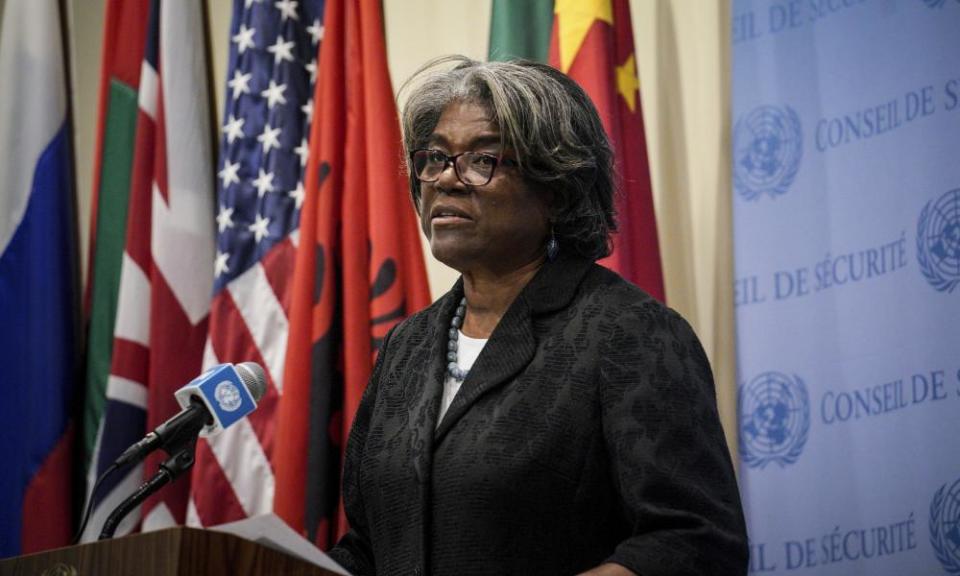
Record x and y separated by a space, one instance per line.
586 432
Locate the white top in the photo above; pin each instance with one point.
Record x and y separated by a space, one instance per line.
468 349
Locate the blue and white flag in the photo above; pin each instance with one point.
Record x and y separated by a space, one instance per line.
846 175
38 280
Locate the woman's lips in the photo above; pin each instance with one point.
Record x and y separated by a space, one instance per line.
449 221
448 216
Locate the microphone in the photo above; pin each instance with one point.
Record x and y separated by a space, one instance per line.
211 402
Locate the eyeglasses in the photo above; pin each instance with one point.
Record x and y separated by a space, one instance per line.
471 168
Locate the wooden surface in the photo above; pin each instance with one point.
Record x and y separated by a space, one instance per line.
175 551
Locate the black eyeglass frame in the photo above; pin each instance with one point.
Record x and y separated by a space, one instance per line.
448 160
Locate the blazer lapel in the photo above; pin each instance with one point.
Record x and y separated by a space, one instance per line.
423 386
512 345
509 350
425 405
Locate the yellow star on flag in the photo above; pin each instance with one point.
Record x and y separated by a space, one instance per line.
627 83
574 19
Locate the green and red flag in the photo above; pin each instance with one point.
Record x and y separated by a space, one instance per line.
124 37
592 42
359 267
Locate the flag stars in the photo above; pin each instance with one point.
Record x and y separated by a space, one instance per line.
233 129
312 69
240 83
263 183
298 195
627 83
574 19
249 3
244 38
316 31
281 50
259 228
307 110
274 94
224 219
220 265
270 138
229 174
288 9
303 151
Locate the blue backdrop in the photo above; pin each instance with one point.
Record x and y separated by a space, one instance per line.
846 163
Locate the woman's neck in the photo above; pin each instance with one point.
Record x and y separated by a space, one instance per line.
490 295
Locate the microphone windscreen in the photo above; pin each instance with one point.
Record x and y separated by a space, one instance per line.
253 378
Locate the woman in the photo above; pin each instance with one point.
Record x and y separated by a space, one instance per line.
544 416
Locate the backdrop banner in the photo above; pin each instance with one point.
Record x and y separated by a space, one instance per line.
846 171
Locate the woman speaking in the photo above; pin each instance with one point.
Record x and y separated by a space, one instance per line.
544 416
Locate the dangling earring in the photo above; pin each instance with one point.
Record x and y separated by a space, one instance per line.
553 247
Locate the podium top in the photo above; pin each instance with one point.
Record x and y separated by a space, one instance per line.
172 552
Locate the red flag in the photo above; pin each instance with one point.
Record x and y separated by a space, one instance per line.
592 42
359 267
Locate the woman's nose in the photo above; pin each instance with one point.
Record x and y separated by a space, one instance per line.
448 177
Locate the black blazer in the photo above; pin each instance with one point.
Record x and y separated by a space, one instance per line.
586 432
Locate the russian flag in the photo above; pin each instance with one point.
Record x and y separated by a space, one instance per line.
39 301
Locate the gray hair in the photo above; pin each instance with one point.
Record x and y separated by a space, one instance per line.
546 119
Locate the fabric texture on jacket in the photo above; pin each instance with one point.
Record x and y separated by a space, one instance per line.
586 432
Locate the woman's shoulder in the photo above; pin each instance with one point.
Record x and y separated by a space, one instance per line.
417 325
626 304
613 290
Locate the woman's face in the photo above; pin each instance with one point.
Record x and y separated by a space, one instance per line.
495 228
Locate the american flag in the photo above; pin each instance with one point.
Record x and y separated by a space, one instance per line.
263 152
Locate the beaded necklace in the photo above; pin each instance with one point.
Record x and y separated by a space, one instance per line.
454 370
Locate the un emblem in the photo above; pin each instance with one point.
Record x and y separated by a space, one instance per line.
938 241
767 147
945 527
228 396
774 419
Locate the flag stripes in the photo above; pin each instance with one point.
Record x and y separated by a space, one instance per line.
160 329
272 67
265 318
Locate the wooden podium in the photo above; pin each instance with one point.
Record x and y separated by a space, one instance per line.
171 552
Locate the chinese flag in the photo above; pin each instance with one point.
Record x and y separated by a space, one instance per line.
592 42
359 267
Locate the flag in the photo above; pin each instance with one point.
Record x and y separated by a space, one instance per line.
272 68
123 42
167 265
592 42
520 29
39 302
359 268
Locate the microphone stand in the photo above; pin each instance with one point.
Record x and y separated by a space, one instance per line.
180 460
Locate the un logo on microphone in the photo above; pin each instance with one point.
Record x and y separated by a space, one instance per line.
938 241
767 148
945 527
228 396
774 419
